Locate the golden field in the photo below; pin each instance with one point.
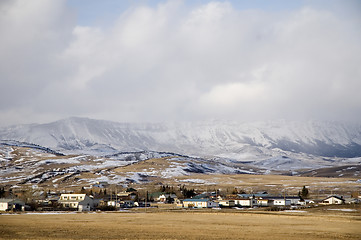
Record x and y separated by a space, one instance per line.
184 224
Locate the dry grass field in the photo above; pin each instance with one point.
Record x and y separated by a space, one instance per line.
183 224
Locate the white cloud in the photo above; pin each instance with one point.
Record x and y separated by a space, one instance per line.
173 61
233 94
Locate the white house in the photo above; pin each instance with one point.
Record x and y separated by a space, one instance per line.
199 203
162 197
305 202
245 202
333 200
7 204
80 202
226 203
281 202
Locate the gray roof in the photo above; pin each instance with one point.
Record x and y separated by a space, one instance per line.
195 200
7 200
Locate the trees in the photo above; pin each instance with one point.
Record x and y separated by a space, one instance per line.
166 189
304 192
2 192
187 193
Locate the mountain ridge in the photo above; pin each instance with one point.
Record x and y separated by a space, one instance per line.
235 140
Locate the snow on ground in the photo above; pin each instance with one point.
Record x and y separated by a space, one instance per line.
343 210
195 180
295 211
58 161
111 179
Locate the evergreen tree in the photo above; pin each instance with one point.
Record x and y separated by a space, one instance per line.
303 193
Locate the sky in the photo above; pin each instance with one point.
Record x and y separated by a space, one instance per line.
157 61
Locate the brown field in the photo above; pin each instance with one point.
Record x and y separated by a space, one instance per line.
183 224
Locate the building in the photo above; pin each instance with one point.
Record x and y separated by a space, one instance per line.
8 204
226 203
199 203
264 202
281 201
80 202
245 202
163 197
333 200
121 203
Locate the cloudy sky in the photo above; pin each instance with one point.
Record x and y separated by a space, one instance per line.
150 61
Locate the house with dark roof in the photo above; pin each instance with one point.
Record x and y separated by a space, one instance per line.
163 197
333 200
8 204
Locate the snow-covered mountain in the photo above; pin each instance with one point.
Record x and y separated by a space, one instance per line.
234 140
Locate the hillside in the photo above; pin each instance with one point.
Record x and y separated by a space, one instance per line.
35 167
241 141
277 147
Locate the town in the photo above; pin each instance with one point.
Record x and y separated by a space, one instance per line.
103 197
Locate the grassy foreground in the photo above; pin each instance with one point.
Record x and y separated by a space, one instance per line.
181 225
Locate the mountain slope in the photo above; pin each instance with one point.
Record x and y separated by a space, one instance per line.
243 141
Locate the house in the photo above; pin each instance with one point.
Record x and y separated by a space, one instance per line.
7 204
48 203
305 202
245 202
281 201
80 202
226 203
163 197
199 203
126 195
333 200
264 202
261 199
